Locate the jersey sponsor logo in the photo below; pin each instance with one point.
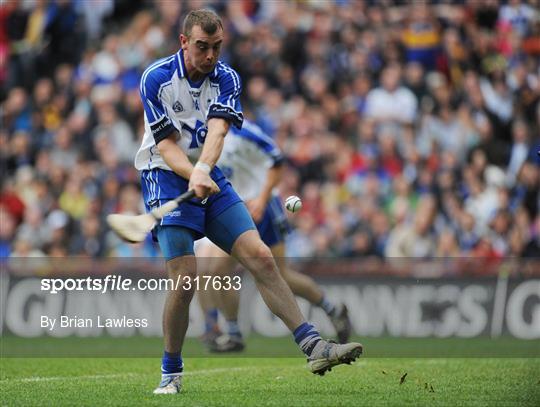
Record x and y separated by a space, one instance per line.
174 214
223 109
157 128
177 107
195 93
226 111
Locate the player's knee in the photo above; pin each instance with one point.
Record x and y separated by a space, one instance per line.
263 253
182 272
185 274
266 266
256 257
251 246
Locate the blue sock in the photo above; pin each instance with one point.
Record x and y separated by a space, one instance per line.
233 329
306 336
210 320
172 363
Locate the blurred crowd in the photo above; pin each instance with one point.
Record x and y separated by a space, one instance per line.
410 129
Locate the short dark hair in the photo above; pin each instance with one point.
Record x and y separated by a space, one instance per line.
208 20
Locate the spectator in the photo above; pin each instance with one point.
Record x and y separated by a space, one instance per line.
408 129
63 30
500 232
447 245
23 248
417 239
519 151
421 36
73 201
518 15
33 230
113 133
64 154
89 239
390 101
468 234
445 131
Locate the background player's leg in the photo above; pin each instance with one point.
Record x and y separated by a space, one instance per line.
222 264
272 228
205 299
254 255
299 283
212 261
305 287
227 300
210 311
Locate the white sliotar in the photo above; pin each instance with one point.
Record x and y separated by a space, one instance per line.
293 203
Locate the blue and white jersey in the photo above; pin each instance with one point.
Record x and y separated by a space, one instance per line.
172 102
247 155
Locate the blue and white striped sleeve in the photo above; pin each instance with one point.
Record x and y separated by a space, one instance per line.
275 154
263 141
227 104
160 124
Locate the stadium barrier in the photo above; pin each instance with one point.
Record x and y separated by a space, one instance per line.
89 298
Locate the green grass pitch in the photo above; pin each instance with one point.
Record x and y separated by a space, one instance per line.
270 381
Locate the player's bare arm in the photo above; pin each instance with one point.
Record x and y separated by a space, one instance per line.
174 157
258 205
200 180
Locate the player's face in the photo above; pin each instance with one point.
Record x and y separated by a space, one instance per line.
202 49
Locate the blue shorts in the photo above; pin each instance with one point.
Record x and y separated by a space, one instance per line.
223 217
274 225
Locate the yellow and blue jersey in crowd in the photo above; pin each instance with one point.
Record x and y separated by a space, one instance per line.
422 43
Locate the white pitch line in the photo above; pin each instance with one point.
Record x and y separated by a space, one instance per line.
222 370
112 376
54 378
